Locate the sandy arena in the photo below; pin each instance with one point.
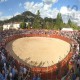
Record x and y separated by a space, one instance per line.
39 51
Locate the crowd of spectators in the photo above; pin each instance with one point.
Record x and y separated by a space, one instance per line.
9 67
74 63
10 70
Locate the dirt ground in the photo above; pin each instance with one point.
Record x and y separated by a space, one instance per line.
38 51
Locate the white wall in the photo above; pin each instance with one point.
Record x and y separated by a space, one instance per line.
16 26
11 26
6 26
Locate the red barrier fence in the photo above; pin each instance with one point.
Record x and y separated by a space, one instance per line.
56 70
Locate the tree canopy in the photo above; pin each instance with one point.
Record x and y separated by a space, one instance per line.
23 25
59 21
37 21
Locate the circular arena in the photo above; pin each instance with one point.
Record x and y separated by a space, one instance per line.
45 53
39 51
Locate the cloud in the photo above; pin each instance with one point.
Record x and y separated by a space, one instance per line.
33 7
17 13
64 10
46 10
47 7
73 14
8 16
5 17
76 17
49 1
3 1
51 13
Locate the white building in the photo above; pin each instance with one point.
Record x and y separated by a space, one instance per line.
6 26
16 25
11 26
67 29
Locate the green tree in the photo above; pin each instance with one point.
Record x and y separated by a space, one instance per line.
59 22
1 28
29 25
73 25
37 21
49 23
69 22
23 25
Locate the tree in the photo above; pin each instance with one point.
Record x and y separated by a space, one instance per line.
69 22
29 25
23 25
1 28
59 21
73 25
38 13
37 21
49 23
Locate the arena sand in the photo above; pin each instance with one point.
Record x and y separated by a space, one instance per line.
38 51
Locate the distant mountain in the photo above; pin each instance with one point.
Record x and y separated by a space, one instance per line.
26 16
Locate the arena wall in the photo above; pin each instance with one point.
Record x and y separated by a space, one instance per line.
58 69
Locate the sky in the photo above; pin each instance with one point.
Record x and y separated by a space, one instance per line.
48 8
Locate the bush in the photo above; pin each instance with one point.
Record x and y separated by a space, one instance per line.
23 25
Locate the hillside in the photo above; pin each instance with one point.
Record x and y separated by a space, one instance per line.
25 16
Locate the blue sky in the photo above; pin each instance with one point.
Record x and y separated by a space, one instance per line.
48 8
